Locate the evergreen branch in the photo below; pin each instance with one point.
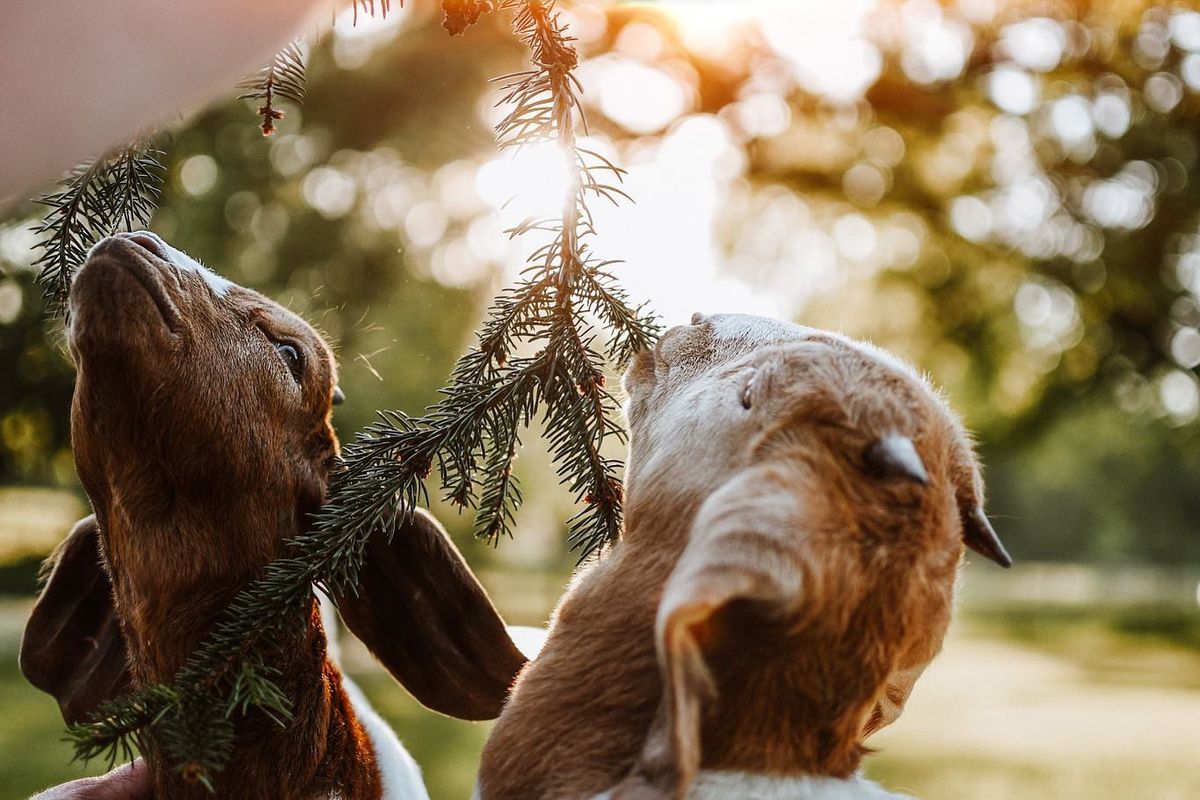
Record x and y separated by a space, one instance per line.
282 78
501 493
110 731
115 192
491 397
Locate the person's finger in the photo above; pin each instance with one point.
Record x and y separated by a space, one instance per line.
120 67
126 782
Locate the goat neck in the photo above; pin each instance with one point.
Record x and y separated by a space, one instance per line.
201 432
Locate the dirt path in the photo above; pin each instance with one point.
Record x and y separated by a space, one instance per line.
996 719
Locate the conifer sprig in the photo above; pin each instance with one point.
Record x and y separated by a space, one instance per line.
283 79
493 396
118 191
372 7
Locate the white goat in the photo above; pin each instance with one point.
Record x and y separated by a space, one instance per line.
796 510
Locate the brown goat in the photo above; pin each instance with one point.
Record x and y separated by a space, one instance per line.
797 508
201 432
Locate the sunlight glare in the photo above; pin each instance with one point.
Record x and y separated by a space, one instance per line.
668 240
709 28
825 44
530 182
354 43
658 100
368 26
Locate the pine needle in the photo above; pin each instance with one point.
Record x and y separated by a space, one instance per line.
372 8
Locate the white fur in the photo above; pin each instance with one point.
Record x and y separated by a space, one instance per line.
717 785
747 330
218 285
400 775
712 785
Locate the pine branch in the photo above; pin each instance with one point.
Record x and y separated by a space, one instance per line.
471 436
111 729
283 78
490 396
115 192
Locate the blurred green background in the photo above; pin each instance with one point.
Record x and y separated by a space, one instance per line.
1006 193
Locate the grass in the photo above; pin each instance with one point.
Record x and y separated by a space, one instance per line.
32 753
1173 626
1044 701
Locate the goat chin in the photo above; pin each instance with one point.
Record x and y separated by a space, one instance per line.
718 785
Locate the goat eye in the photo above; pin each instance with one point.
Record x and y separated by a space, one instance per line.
291 357
747 391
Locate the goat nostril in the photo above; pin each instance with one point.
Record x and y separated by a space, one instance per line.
697 318
148 242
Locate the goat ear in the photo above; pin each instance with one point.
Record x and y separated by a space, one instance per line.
72 647
746 555
424 614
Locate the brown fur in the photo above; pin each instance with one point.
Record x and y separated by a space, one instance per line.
768 591
201 453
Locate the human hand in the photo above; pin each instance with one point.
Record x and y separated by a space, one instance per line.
126 782
158 59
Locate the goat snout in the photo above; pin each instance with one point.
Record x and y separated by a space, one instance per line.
148 241
117 275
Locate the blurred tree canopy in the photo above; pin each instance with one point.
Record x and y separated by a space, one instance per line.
1008 194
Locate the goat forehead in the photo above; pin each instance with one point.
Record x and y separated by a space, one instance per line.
745 330
742 331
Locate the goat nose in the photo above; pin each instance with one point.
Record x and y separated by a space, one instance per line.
148 241
697 318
